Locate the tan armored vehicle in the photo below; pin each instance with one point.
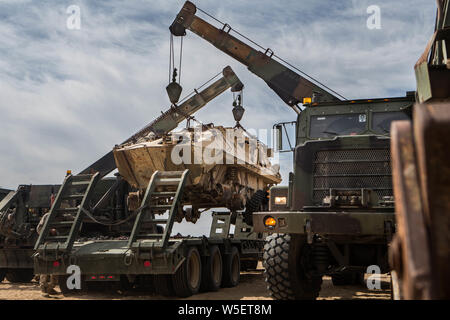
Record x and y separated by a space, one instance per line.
227 166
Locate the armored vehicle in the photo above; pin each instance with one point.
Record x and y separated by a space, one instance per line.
336 216
237 168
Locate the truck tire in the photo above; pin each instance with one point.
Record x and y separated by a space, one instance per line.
187 279
20 275
247 265
231 269
253 205
163 285
285 257
212 270
2 274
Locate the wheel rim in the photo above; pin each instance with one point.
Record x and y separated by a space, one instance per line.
194 270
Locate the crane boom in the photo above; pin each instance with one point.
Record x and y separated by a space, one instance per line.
170 119
287 84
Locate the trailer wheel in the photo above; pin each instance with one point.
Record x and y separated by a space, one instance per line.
163 285
232 268
212 271
2 274
187 279
20 275
286 262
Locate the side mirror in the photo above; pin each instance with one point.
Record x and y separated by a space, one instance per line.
279 137
288 129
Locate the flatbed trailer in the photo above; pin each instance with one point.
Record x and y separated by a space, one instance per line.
187 265
180 266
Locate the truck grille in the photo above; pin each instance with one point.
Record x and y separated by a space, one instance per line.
352 169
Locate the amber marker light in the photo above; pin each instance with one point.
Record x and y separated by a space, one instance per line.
307 100
270 222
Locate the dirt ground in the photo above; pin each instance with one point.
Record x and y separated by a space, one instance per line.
251 287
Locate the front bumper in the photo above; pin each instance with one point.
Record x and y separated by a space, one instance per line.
327 223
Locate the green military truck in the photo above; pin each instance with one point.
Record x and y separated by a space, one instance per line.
337 215
20 213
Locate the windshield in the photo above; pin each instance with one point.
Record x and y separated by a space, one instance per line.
381 121
336 125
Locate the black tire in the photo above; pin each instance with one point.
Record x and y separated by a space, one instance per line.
231 269
188 278
20 275
252 205
285 262
2 274
212 270
247 265
163 285
344 278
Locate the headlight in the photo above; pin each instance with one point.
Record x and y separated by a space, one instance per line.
280 200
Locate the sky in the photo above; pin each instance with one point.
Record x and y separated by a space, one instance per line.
67 96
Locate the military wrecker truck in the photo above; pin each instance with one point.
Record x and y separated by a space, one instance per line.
146 255
336 216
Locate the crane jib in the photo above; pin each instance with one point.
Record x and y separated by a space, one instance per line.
290 86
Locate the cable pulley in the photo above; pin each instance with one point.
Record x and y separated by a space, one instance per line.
174 88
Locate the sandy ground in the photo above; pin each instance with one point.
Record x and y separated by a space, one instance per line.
251 287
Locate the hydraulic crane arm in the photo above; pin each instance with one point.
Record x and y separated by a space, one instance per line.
287 84
170 119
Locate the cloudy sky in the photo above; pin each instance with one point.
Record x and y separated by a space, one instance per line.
67 96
